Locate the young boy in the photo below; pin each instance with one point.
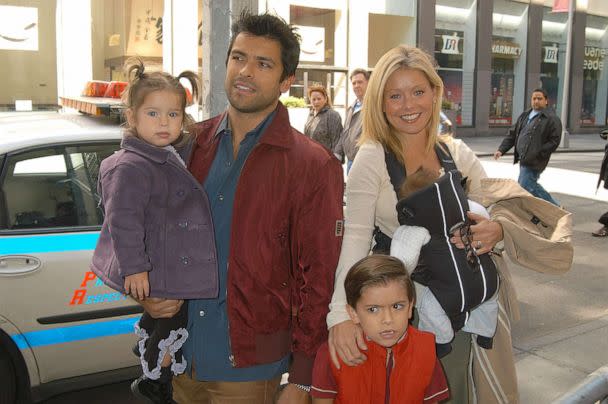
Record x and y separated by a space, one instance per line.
401 365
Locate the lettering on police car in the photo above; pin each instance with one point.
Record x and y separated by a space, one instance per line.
86 293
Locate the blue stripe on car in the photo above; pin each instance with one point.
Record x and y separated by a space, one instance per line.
46 243
74 333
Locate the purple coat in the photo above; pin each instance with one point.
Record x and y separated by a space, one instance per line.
157 219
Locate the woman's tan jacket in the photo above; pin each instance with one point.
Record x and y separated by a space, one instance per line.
537 236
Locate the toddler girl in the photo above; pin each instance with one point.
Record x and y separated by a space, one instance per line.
157 235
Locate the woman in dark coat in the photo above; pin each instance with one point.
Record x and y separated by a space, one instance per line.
324 125
603 231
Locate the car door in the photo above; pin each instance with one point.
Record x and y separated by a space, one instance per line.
49 225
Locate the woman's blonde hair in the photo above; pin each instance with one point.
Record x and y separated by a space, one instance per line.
375 125
319 89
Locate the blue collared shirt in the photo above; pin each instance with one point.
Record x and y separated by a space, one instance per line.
208 345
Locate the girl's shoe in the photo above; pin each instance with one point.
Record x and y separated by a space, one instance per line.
602 232
153 391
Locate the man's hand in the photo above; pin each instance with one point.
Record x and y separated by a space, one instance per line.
497 155
161 308
293 395
137 285
346 340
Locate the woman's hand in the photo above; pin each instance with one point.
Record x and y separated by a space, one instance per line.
137 285
346 340
484 234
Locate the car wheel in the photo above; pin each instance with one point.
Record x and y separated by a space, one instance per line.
8 392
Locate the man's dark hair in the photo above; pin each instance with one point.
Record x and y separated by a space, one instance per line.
541 90
365 73
272 27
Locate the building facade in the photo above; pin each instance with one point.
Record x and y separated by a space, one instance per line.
490 54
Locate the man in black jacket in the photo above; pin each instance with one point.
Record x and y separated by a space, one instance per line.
536 135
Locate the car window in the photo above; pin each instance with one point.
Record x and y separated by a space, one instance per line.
53 187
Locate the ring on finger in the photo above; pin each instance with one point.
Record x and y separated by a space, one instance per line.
479 244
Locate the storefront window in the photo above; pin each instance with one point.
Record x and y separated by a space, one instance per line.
595 72
455 55
80 43
28 56
554 38
319 29
126 28
507 98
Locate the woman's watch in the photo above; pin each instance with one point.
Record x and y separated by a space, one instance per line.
302 387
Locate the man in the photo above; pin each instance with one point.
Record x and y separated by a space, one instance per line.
276 202
347 145
536 135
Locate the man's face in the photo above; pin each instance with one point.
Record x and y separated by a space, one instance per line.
539 101
253 75
359 83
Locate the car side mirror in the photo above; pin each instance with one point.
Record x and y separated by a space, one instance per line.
604 134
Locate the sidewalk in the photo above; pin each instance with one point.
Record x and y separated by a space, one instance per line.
563 334
485 146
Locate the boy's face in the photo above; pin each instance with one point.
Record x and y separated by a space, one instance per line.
384 312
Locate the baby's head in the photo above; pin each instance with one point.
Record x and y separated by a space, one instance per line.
380 297
156 104
421 178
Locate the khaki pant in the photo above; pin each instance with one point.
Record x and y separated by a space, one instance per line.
188 390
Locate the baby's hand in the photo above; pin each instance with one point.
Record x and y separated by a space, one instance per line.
137 285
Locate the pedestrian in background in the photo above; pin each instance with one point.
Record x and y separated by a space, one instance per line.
348 144
536 135
603 231
324 125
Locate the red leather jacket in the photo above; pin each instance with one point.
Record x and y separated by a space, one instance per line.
285 242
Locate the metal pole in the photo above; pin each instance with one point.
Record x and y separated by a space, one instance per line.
565 140
593 388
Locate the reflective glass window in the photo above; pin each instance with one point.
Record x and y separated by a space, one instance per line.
508 79
595 72
455 31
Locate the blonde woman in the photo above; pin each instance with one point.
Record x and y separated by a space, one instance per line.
400 119
324 125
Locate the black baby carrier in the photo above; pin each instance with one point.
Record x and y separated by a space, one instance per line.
459 278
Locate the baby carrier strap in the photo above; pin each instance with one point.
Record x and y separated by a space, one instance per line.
397 174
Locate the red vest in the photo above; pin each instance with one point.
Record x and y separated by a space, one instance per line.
413 365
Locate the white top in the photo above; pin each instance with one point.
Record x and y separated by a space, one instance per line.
371 201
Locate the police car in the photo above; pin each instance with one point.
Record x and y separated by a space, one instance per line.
60 327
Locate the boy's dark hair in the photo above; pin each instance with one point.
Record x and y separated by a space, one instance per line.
422 178
365 73
541 90
142 83
376 270
272 27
